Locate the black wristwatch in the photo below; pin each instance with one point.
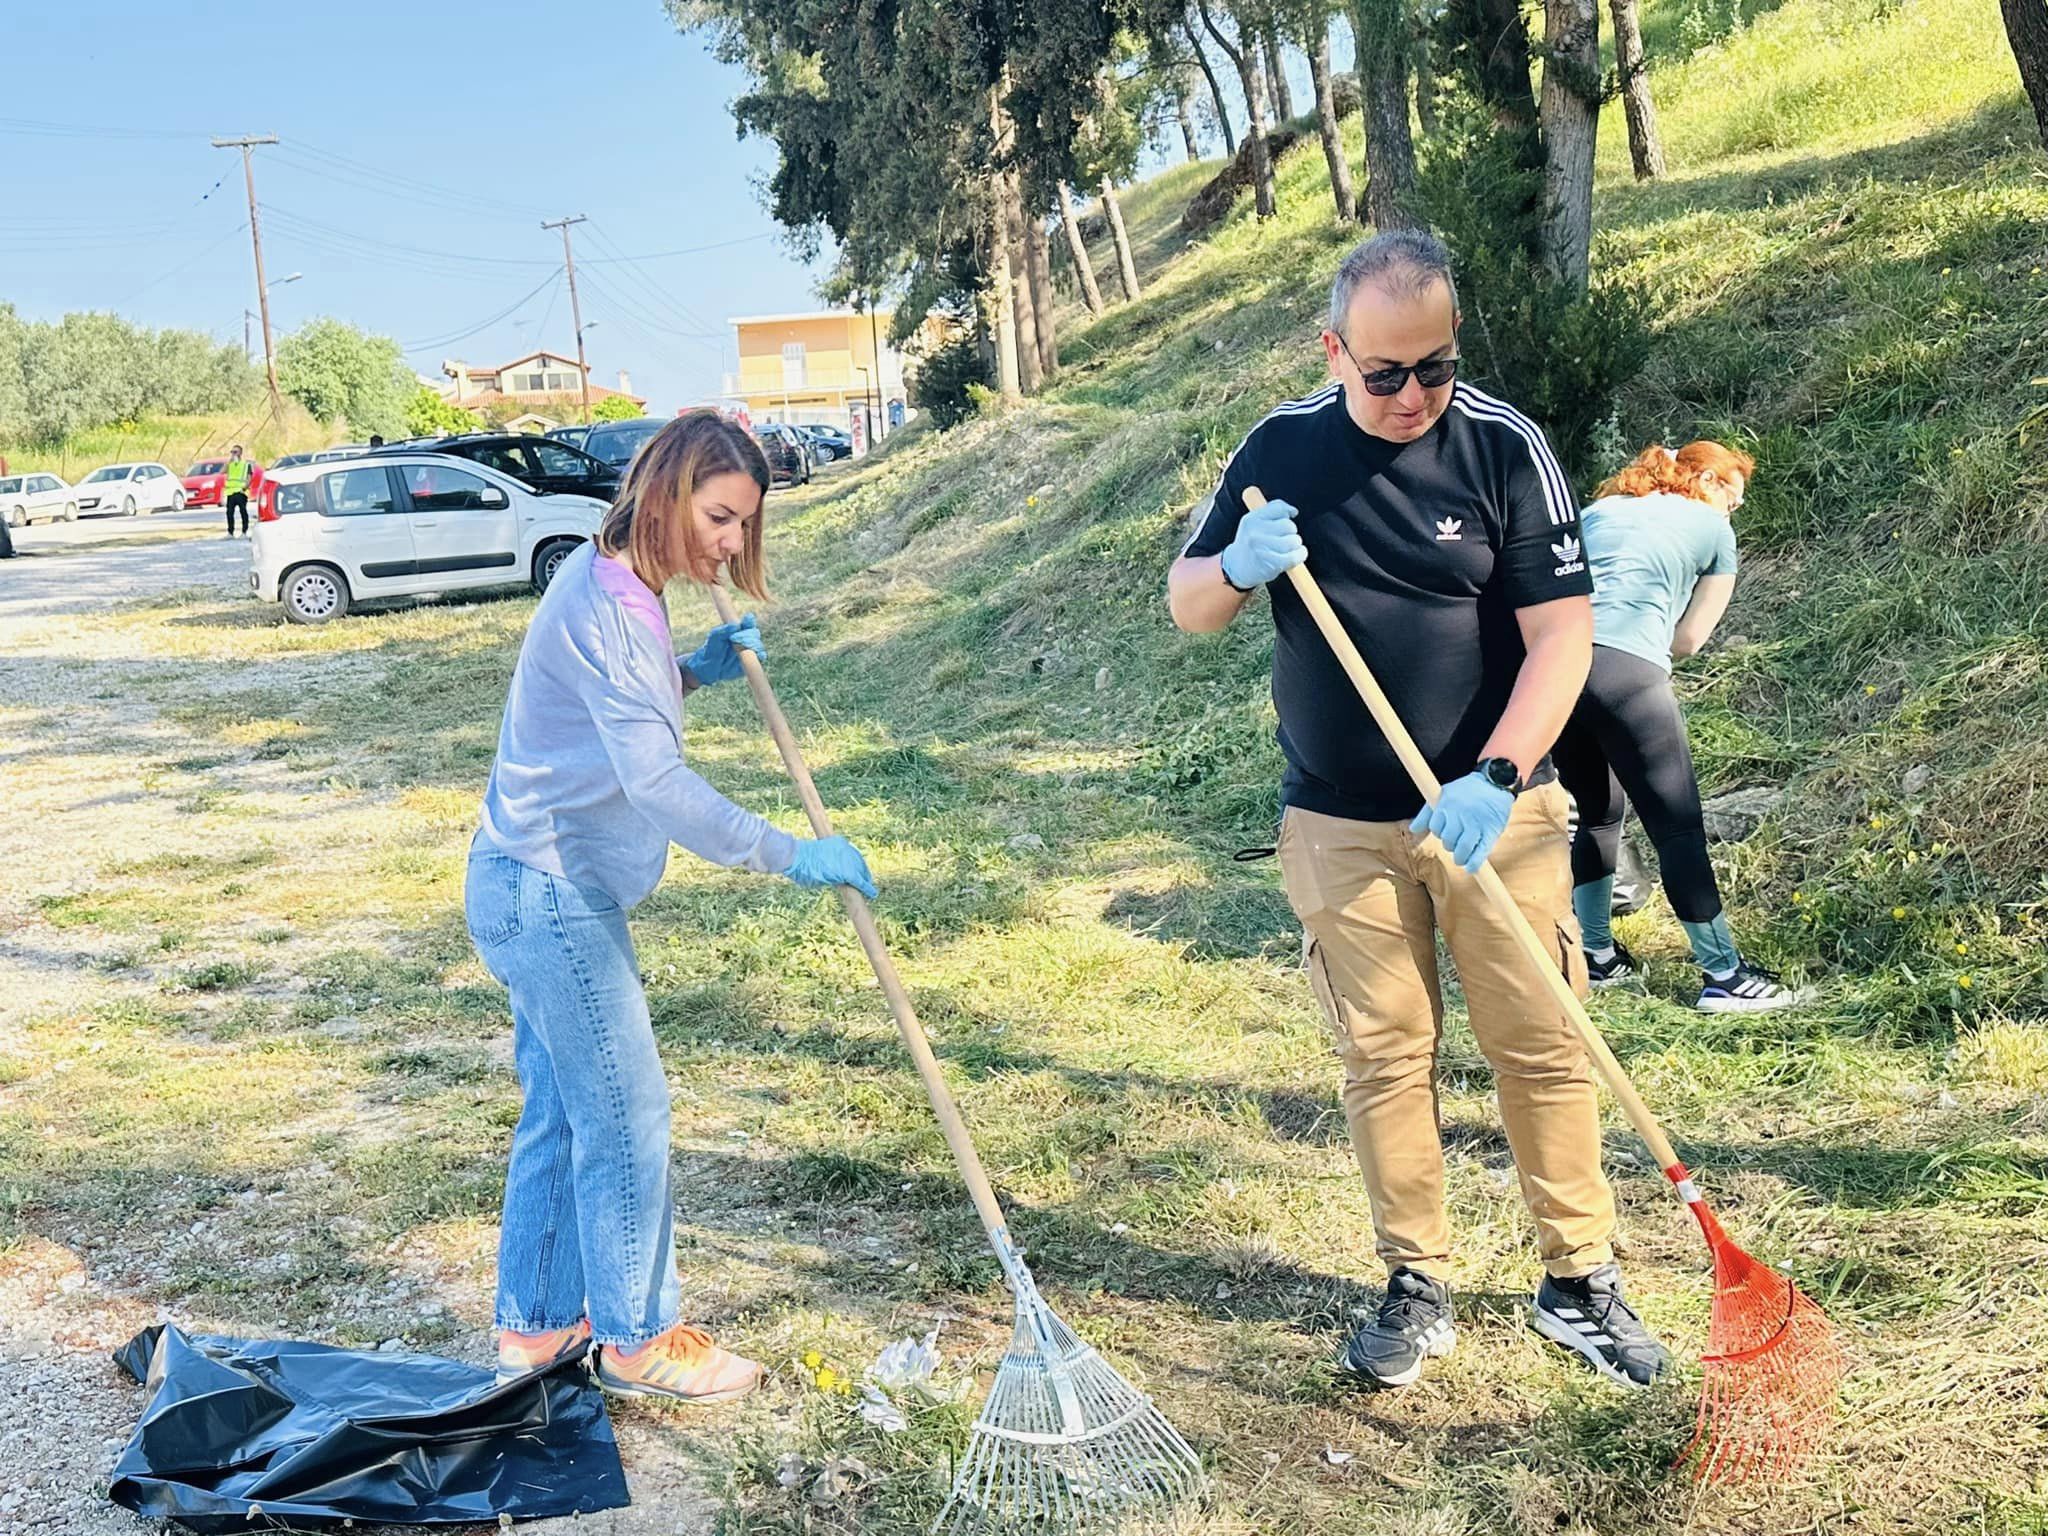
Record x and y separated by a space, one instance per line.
1502 773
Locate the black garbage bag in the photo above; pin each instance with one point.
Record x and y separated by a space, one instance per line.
245 1434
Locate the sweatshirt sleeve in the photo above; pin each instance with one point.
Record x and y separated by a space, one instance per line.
642 747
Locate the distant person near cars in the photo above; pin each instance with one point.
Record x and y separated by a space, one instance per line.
234 485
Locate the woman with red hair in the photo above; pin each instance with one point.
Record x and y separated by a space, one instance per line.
1662 552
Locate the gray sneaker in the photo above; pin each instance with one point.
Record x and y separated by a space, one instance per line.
1414 1324
1589 1317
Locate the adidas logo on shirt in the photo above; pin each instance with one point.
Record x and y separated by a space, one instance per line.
1449 529
1567 552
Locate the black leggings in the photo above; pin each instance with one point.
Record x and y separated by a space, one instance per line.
238 502
1626 734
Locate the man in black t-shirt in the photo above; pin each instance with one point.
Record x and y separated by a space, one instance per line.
1438 524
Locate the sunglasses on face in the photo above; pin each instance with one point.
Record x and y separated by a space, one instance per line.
1432 374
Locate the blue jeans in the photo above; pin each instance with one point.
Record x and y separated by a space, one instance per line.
588 1227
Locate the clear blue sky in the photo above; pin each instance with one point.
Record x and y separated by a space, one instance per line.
422 144
519 110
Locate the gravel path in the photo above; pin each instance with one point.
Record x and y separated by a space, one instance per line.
76 567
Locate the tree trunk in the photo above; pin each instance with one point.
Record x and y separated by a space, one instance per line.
1645 148
1002 316
1382 30
1078 249
1113 213
1245 57
1570 116
1038 264
1499 40
2026 30
1186 113
1276 80
1425 78
1023 295
1215 89
1326 124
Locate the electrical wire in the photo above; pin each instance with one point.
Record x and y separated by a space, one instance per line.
432 343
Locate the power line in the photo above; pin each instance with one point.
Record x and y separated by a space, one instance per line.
350 237
184 266
30 128
468 331
575 308
690 319
386 180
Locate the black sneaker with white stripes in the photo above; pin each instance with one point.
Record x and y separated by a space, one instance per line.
1617 967
1746 989
1414 1324
1589 1316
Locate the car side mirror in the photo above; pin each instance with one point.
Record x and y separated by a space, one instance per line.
492 497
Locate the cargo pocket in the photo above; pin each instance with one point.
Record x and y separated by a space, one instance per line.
1326 994
1571 957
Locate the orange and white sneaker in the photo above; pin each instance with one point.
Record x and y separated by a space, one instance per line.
521 1353
682 1365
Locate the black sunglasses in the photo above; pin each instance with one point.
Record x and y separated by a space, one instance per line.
1432 374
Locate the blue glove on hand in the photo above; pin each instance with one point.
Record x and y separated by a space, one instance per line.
1468 819
1266 545
831 861
717 660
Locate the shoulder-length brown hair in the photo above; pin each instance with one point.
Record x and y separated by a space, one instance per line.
651 523
1657 469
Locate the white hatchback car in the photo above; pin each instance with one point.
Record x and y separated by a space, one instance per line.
24 498
330 535
131 488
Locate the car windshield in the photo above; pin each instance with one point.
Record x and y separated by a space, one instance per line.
205 467
617 445
110 472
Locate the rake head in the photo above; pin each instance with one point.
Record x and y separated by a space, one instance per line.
1771 1370
1063 1441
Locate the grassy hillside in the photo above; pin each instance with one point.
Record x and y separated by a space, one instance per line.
259 938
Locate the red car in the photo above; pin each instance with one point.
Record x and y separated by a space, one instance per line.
203 482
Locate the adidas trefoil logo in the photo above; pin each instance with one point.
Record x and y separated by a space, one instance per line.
1448 530
1567 553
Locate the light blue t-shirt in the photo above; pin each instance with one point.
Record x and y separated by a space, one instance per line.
1646 554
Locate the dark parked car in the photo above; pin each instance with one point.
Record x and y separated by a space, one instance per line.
789 457
541 462
573 436
615 442
828 443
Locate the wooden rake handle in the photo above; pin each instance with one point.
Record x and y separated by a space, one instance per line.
971 1172
1540 958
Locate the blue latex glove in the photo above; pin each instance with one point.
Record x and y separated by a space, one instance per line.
1266 545
717 660
1468 819
831 861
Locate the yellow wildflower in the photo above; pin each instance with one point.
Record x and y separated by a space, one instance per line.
1962 949
1899 914
1799 895
1963 982
828 1379
812 1359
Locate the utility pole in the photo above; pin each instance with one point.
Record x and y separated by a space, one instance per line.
874 341
575 309
245 144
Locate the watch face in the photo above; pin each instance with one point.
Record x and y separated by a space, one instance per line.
1502 773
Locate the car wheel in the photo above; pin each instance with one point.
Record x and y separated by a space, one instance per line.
314 594
548 559
128 507
17 517
177 501
70 511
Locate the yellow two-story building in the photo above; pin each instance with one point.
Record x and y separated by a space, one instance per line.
826 368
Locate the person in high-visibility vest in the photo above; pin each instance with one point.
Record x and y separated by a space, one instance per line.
234 484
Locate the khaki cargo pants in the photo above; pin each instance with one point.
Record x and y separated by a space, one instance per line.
1372 895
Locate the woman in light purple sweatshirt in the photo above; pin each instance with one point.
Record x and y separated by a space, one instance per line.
588 790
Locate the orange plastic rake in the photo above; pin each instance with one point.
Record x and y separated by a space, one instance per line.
1773 1360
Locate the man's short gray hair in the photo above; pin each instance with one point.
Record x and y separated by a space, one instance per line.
1400 262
